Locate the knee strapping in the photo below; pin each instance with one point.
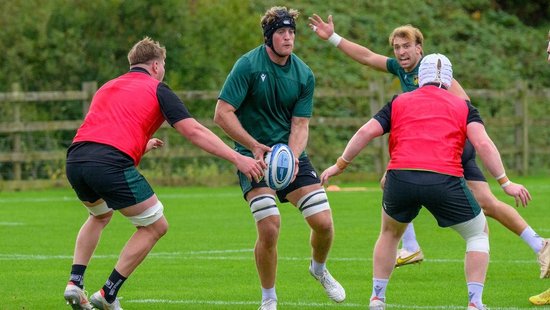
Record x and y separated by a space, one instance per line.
313 203
473 231
148 216
263 206
99 209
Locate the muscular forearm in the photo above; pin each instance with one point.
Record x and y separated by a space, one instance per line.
298 140
361 138
205 139
490 157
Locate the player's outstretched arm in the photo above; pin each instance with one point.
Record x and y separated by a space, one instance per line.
356 144
359 53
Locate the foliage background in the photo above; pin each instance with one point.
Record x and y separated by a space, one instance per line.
58 44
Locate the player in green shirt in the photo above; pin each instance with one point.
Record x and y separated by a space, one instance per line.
266 99
406 42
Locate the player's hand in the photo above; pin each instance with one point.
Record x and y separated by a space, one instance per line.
296 167
153 143
259 153
519 192
322 29
251 168
329 172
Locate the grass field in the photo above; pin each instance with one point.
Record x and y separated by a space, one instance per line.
206 260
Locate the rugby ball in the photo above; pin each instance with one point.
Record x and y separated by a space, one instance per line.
280 167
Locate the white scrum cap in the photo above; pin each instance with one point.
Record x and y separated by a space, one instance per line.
435 68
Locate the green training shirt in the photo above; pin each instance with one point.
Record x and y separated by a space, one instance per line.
266 95
408 80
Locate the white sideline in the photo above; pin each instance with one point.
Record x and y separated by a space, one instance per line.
192 256
292 304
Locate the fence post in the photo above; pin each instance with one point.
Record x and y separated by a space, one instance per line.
521 131
376 102
525 125
89 88
16 88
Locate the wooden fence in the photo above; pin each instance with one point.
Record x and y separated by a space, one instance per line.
376 95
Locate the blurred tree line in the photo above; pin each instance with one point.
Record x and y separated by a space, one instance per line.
58 44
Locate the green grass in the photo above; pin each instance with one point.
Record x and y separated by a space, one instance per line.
206 261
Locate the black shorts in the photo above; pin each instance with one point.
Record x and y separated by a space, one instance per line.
471 169
119 185
306 176
446 197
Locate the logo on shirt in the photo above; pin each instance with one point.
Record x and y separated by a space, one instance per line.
263 76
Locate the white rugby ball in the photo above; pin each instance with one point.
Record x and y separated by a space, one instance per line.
280 166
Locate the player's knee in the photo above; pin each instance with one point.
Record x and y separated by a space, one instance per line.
473 232
150 216
478 243
262 206
313 203
161 227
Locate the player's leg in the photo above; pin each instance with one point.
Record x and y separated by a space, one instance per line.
410 251
384 249
86 243
126 190
307 194
453 205
505 214
268 221
399 207
261 200
87 238
475 233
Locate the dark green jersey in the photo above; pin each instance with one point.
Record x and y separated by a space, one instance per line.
408 80
266 95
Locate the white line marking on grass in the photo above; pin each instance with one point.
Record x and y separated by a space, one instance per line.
192 256
220 251
10 224
289 304
235 303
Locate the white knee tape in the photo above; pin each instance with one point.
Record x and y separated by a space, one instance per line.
313 203
100 209
148 216
473 231
263 206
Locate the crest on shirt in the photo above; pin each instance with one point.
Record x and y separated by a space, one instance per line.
263 76
415 79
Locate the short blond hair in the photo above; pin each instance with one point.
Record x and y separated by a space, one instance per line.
146 50
407 32
272 14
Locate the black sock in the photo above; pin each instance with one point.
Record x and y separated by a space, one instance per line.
112 286
77 275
